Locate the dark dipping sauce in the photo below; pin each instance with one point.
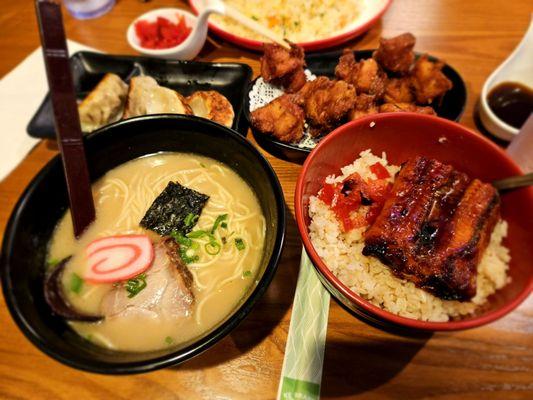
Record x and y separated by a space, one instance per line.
512 102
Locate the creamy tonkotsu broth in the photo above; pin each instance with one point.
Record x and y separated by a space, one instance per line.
122 198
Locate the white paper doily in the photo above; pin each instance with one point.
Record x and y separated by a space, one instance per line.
263 93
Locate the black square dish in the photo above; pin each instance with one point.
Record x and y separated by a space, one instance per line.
230 79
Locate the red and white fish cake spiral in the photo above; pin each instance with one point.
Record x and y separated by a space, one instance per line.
118 258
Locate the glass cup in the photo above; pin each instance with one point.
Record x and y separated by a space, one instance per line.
87 9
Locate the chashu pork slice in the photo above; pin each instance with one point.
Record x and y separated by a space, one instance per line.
145 96
168 292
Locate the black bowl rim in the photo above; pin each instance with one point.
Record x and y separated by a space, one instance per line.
288 147
191 350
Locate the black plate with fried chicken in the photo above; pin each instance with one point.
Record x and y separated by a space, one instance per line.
349 85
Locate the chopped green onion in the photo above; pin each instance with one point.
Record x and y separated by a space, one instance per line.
76 283
255 18
53 262
200 234
188 246
212 248
246 274
190 219
179 238
197 234
202 165
135 285
169 340
224 225
219 219
239 243
186 258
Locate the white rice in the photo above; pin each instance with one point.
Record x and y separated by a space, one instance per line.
371 279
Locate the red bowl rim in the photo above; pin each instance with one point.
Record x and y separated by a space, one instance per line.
355 298
309 46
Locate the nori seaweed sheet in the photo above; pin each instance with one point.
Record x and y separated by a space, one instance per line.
169 210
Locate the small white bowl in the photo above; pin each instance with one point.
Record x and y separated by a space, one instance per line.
518 67
184 51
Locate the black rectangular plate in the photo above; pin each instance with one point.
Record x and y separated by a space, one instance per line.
230 79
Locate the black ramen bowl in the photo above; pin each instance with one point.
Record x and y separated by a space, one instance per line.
45 201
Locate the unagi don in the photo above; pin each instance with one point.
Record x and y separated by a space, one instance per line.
434 228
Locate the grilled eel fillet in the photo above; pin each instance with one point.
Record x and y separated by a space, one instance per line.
435 227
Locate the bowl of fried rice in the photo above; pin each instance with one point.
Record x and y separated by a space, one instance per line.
312 24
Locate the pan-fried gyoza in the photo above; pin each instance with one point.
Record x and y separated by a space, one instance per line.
113 99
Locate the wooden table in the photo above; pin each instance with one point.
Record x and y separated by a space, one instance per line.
492 362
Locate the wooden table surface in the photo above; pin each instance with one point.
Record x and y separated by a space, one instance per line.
492 362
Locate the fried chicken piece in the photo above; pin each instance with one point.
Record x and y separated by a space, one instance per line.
406 107
364 105
278 62
396 54
347 68
366 75
371 78
327 104
281 118
321 82
398 90
295 81
283 67
428 80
